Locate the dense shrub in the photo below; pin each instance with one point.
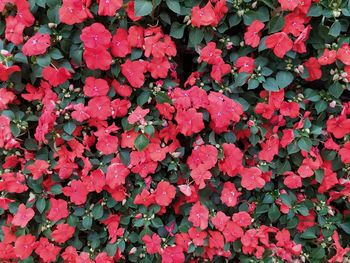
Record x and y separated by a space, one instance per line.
174 131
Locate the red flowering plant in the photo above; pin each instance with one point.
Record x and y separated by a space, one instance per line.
174 131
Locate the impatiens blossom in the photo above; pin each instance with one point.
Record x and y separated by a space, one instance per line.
252 35
36 45
280 43
23 216
199 216
56 76
164 193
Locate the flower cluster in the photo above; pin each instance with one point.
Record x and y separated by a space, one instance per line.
174 131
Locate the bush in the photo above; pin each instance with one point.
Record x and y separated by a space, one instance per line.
174 131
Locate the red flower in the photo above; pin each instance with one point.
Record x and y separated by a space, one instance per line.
164 193
173 255
328 57
199 215
36 45
345 153
138 115
38 168
197 236
58 209
14 30
340 251
23 216
243 219
56 76
292 181
120 46
232 162
96 36
74 11
76 191
265 110
6 97
313 69
130 10
200 175
269 149
338 126
220 220
95 87
99 107
152 243
290 109
287 138
230 195
109 7
204 16
232 231
46 250
158 67
24 246
189 121
62 233
6 71
116 173
220 70
135 36
210 54
245 64
343 54
252 35
97 58
329 180
252 178
289 5
280 43
294 24
134 72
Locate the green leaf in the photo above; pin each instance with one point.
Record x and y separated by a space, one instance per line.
321 106
196 36
346 227
276 24
56 189
286 199
284 78
43 61
162 97
87 222
174 6
97 211
270 84
253 84
40 205
315 11
111 249
305 144
30 144
14 129
69 127
309 234
319 173
149 129
335 29
177 30
141 142
157 222
336 89
20 57
240 79
143 7
274 213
